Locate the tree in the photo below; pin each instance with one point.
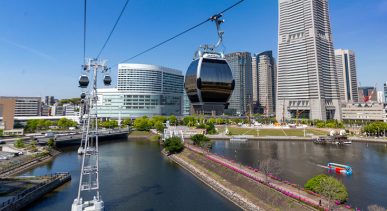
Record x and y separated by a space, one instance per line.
142 124
159 126
173 145
1 132
65 123
269 167
51 142
19 143
329 187
172 120
200 140
126 123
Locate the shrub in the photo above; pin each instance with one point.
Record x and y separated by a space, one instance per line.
173 145
19 143
327 186
51 142
199 139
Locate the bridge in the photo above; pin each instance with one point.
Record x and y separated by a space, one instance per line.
74 138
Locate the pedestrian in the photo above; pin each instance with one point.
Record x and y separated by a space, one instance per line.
319 203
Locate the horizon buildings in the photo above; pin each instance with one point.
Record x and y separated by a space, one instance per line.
306 73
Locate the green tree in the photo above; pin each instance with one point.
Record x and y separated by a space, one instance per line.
126 122
142 124
65 123
19 143
198 138
327 186
159 126
172 120
173 145
51 142
1 132
189 121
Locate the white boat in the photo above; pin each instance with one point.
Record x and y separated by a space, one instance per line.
240 138
80 150
347 142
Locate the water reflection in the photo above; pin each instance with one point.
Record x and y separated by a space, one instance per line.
299 161
135 176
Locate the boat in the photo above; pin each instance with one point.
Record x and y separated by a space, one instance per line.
80 150
336 139
340 168
239 138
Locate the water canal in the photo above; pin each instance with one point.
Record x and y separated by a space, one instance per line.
299 162
134 176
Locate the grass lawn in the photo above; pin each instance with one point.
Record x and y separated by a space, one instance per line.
274 132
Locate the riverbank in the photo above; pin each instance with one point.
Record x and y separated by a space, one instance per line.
141 135
25 190
249 193
19 165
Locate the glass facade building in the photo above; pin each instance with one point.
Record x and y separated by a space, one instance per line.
142 90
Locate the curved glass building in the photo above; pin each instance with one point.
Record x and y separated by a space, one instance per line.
142 89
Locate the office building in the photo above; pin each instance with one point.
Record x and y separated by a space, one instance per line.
45 110
385 92
142 90
7 113
266 82
242 96
380 97
365 112
49 100
346 75
367 94
26 106
254 72
69 110
306 73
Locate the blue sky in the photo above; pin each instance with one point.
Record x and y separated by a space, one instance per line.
41 41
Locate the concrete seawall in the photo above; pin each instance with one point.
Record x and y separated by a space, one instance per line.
30 195
232 196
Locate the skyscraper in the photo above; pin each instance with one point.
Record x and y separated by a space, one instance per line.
254 72
346 75
266 82
307 83
385 92
241 98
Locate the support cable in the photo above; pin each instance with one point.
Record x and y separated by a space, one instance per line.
183 32
114 27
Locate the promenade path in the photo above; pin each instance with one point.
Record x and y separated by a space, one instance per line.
287 189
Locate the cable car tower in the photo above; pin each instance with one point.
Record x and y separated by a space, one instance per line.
89 177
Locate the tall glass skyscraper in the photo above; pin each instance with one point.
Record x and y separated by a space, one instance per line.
266 82
142 89
346 75
307 83
242 96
